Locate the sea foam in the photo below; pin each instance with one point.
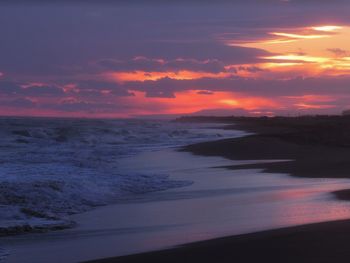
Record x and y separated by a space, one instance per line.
51 168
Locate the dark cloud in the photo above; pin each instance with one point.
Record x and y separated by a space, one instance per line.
159 65
257 87
8 87
42 91
93 88
19 103
88 33
205 92
251 69
163 88
159 94
82 106
338 52
62 40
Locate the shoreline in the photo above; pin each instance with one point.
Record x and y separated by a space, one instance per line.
315 147
329 162
319 242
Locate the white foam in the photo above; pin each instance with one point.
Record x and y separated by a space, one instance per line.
3 254
51 168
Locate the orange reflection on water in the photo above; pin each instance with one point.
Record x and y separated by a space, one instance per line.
311 204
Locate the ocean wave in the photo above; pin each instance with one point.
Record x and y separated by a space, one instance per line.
3 254
50 168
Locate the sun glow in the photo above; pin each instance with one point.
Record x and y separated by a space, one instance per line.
313 106
297 58
326 28
298 36
192 101
312 51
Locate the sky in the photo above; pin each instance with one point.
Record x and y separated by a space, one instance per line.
122 59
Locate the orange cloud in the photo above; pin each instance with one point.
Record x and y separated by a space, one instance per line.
297 36
297 58
307 102
193 101
327 28
306 106
309 51
180 75
313 57
313 98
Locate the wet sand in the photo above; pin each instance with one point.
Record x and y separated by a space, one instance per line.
306 160
317 147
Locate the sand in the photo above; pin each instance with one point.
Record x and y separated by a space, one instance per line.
324 242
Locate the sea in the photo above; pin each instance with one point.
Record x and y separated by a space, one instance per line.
118 187
51 168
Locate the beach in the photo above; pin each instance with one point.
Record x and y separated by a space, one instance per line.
263 186
216 195
312 148
315 147
175 131
323 242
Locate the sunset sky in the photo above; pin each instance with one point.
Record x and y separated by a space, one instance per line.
113 59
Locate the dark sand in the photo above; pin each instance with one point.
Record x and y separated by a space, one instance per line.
306 160
325 242
316 147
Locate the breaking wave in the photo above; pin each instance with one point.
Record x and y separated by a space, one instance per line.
50 168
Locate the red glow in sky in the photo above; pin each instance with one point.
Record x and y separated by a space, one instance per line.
116 61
